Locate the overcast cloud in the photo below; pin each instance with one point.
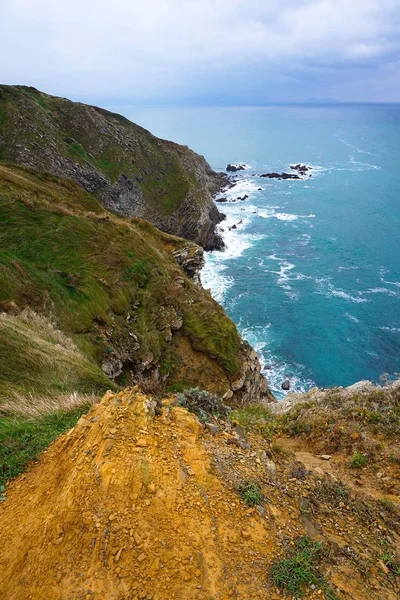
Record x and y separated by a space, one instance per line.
203 50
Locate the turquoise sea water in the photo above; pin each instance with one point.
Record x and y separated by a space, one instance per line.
311 276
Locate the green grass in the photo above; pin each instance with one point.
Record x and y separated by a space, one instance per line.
358 460
22 440
3 117
250 492
62 254
255 418
37 358
78 153
299 570
201 323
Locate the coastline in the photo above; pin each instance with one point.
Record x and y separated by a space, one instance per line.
234 230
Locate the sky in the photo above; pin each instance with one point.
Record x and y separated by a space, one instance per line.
203 51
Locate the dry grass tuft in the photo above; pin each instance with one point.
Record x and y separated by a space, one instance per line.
33 406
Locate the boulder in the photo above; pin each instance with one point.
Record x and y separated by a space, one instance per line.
286 385
233 168
112 368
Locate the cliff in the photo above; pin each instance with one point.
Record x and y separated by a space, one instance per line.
130 171
88 298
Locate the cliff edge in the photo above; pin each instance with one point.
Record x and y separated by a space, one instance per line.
130 171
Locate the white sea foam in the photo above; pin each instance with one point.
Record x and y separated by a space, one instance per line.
241 187
326 288
354 147
213 279
391 329
351 268
237 241
382 290
352 317
270 213
382 273
275 368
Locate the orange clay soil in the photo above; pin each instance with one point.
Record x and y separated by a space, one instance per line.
130 505
126 506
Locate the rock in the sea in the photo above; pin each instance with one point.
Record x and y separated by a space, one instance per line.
286 385
233 168
300 168
275 175
221 199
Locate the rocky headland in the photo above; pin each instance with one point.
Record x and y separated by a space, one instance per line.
129 170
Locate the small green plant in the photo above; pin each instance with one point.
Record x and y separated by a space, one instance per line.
299 570
251 493
3 496
388 503
389 559
331 492
358 460
138 273
202 403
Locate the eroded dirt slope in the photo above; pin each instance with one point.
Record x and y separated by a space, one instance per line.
140 501
127 506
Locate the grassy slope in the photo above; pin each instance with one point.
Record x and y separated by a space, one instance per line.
71 273
96 139
61 253
22 438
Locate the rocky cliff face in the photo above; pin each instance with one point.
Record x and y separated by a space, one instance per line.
121 293
131 172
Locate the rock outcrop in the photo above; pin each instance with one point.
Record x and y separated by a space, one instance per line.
233 168
132 172
275 175
127 294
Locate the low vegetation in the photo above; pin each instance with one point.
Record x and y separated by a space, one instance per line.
358 460
202 403
298 571
22 439
255 418
250 492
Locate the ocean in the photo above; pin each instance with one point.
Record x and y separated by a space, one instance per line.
311 274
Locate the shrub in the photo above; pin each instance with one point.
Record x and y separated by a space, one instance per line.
202 403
